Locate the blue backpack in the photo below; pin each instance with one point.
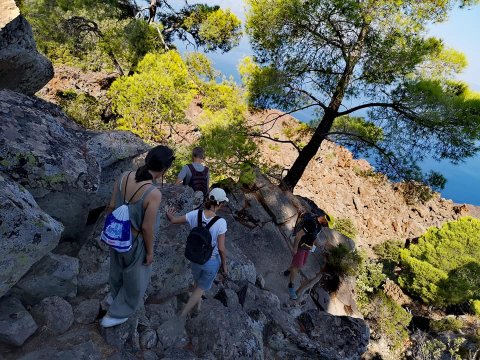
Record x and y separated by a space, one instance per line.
117 230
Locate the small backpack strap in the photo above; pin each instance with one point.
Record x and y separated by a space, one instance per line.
192 169
199 218
135 193
126 183
213 221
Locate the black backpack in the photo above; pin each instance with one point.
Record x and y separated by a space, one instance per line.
198 181
199 242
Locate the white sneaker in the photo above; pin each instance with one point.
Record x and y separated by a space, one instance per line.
109 321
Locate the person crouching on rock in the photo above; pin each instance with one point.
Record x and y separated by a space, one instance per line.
205 246
305 240
130 270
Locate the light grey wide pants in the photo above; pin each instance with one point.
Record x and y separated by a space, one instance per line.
129 279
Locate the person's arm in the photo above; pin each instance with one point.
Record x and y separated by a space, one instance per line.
148 225
298 237
111 205
182 219
223 252
181 175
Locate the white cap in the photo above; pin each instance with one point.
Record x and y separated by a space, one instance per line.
218 195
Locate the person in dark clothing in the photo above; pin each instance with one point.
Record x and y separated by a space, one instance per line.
196 175
305 240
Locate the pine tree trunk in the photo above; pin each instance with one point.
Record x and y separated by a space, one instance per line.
308 153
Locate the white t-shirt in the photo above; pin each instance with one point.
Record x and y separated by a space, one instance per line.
217 229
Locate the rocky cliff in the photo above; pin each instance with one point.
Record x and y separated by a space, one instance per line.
22 67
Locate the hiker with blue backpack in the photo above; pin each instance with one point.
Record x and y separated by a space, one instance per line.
196 175
305 232
205 247
129 230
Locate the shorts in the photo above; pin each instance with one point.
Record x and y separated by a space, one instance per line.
203 275
300 258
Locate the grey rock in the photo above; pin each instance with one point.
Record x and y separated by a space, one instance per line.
26 233
52 275
122 355
260 281
94 259
16 324
240 268
150 355
172 333
226 333
125 336
84 351
54 313
157 314
59 161
87 311
251 298
178 354
148 339
276 202
336 337
22 67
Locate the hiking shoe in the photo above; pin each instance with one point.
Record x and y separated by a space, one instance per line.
286 272
292 293
108 321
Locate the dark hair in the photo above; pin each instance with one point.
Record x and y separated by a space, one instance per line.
198 152
209 203
160 158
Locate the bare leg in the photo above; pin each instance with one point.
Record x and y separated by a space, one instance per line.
192 301
293 274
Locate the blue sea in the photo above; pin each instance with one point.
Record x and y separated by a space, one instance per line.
463 180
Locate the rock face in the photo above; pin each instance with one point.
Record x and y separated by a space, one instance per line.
54 313
68 170
52 275
26 233
22 67
16 324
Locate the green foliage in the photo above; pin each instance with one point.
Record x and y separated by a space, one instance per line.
84 109
344 262
155 97
224 136
323 54
475 304
367 282
346 227
389 250
216 27
449 323
444 267
389 319
109 35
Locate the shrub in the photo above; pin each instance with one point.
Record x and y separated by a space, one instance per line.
369 278
389 319
475 304
346 227
389 250
444 267
83 108
343 262
446 324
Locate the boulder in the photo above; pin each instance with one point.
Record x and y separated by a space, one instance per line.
26 233
68 170
172 334
16 324
54 313
87 311
53 275
226 333
22 67
159 313
83 351
336 337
